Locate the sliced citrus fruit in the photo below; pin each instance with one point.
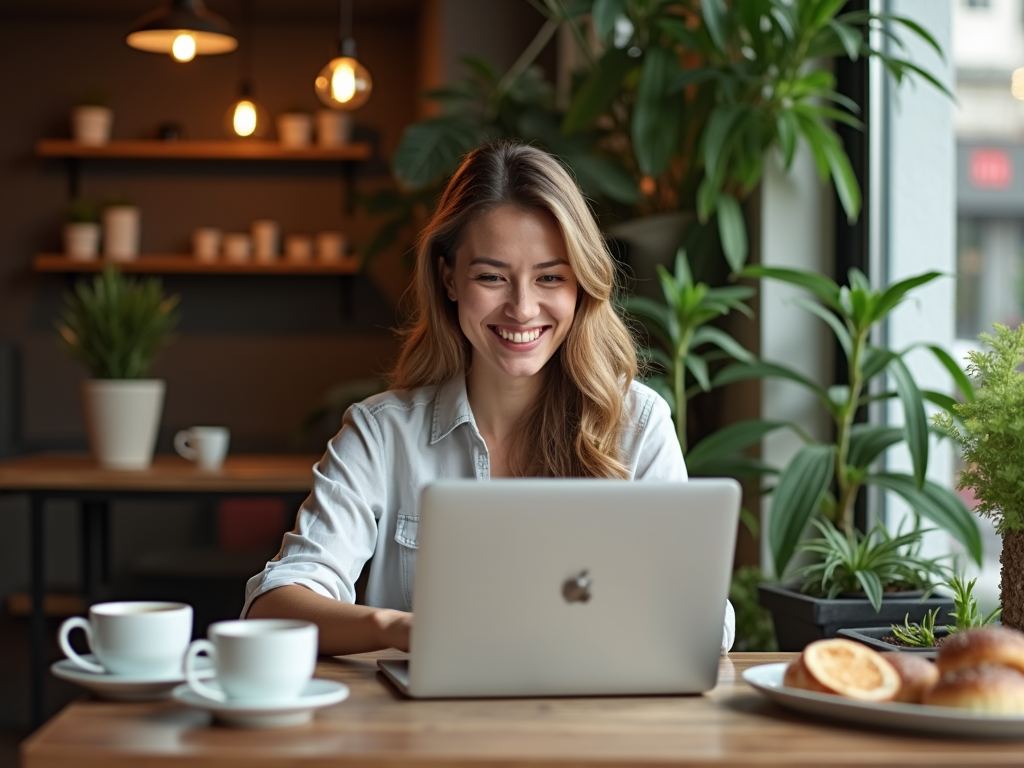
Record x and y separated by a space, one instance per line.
850 669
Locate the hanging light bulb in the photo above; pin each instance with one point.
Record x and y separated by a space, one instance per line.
246 118
183 48
184 29
344 83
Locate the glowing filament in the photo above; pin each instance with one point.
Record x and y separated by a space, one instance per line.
343 82
244 120
183 48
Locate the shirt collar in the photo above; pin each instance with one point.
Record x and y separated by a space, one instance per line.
451 408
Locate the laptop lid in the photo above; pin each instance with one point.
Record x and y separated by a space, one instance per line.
542 587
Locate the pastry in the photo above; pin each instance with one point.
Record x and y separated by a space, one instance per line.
917 675
846 668
982 645
986 688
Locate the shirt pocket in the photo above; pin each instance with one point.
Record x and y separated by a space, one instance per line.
406 537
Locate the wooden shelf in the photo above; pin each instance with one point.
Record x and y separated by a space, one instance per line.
199 150
187 265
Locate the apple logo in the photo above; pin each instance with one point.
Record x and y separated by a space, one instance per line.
576 589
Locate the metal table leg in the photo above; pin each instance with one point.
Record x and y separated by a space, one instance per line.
37 629
94 549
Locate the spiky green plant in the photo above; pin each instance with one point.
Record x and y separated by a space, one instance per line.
116 326
965 606
917 635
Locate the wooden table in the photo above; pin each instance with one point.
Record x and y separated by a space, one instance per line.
733 725
49 476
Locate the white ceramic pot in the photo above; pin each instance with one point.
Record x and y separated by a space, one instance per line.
91 125
122 417
121 230
295 130
82 241
652 240
333 128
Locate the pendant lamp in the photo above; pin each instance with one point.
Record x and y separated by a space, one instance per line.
184 29
344 83
246 118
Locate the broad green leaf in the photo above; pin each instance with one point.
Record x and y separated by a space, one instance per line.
609 178
894 294
963 383
821 286
797 495
915 420
840 330
709 334
718 135
604 15
869 441
762 369
598 91
431 149
714 13
786 130
872 587
874 361
733 231
940 505
849 37
731 439
657 115
940 399
696 365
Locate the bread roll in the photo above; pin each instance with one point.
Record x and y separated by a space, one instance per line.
917 675
987 688
982 645
846 668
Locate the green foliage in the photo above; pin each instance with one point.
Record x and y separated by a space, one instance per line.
822 480
755 630
116 327
687 344
991 429
82 211
965 606
965 612
871 563
917 635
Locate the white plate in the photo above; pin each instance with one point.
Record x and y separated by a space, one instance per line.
125 687
948 721
317 693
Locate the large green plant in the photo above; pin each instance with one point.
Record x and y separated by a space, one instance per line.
991 435
701 90
116 326
824 478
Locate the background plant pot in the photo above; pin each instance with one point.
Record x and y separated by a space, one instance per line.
872 636
652 240
295 129
82 240
121 419
91 125
121 225
801 619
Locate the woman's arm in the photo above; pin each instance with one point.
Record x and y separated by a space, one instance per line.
344 628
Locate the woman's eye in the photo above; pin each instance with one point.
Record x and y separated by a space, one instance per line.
488 278
551 279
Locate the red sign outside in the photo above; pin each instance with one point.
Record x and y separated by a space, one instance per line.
990 169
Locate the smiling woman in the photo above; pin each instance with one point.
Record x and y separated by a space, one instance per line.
514 363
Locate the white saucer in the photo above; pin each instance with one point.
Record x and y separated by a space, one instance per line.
125 687
317 693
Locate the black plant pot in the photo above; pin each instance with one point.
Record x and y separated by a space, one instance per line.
872 636
801 619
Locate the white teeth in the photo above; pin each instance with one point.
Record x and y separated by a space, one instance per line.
519 337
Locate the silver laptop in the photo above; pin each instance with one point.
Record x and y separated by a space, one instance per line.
559 587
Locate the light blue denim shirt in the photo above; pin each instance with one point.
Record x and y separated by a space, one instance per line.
365 497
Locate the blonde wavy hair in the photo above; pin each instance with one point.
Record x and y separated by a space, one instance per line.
575 428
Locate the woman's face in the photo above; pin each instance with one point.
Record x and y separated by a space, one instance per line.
515 291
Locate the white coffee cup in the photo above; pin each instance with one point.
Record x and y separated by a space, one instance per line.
237 247
298 248
265 236
143 638
330 246
206 446
257 661
333 128
206 243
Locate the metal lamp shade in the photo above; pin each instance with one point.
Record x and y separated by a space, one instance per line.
156 31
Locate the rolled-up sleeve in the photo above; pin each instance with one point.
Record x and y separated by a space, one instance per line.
336 527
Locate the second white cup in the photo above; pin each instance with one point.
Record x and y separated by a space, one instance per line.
206 446
257 661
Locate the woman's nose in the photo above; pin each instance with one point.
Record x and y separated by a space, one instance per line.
522 305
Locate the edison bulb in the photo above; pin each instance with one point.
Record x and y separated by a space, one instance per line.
246 119
344 83
183 48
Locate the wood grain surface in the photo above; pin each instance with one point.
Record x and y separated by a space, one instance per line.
732 725
240 474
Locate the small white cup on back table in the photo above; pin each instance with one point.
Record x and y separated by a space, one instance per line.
298 249
265 237
257 661
237 247
140 639
207 446
206 244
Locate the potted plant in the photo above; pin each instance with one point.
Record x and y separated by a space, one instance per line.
115 327
91 119
823 479
989 431
924 637
82 231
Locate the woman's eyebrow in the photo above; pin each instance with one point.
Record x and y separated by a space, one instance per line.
502 264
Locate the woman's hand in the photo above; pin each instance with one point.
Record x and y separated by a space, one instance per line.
394 628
